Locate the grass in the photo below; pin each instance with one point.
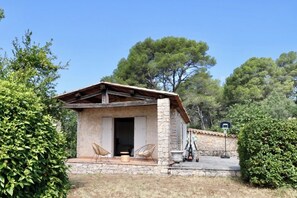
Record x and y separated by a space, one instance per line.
142 186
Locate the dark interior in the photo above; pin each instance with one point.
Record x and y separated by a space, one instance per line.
123 135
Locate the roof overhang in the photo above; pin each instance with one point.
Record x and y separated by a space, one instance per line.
106 94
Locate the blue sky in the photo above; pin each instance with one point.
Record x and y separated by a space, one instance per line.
95 35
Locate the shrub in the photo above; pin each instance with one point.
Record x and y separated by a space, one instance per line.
268 153
32 152
242 114
69 128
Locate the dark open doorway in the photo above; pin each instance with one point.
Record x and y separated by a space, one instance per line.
123 135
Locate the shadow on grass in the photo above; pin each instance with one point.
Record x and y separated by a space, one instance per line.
76 183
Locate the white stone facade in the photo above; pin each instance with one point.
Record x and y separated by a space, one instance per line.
123 118
163 127
90 126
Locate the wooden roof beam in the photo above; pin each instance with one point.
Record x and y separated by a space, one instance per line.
129 95
105 97
83 97
114 104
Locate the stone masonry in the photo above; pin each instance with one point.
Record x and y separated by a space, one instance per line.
173 130
211 143
108 168
163 125
93 168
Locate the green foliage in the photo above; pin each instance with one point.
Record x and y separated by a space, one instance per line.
32 152
288 61
1 14
1 68
240 115
201 96
255 80
278 106
33 65
162 64
268 153
69 128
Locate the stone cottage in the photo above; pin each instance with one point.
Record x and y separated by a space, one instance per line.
120 117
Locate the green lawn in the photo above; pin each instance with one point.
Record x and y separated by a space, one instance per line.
121 186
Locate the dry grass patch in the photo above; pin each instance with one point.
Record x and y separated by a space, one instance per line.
122 186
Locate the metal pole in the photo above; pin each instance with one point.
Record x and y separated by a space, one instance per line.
225 144
225 153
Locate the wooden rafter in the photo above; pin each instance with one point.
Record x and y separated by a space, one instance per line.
129 95
114 104
76 99
82 96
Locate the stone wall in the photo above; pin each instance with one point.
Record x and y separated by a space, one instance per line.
91 168
176 130
173 145
105 168
213 143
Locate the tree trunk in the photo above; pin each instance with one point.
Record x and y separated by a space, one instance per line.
200 114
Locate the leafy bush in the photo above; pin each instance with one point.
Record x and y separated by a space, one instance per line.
278 106
32 152
242 114
69 128
268 153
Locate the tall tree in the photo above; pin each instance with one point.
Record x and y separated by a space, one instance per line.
35 66
278 106
288 61
201 96
255 80
162 64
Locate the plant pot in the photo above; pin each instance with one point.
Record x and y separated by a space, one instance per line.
177 156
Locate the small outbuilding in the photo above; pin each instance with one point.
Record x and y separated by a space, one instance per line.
125 118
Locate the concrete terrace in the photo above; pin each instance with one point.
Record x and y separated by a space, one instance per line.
210 163
208 166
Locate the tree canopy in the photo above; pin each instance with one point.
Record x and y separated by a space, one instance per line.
180 65
202 97
288 61
255 80
163 63
34 65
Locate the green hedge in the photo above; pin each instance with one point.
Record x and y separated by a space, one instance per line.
268 153
32 152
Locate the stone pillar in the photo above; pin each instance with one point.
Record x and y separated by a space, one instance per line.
163 113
